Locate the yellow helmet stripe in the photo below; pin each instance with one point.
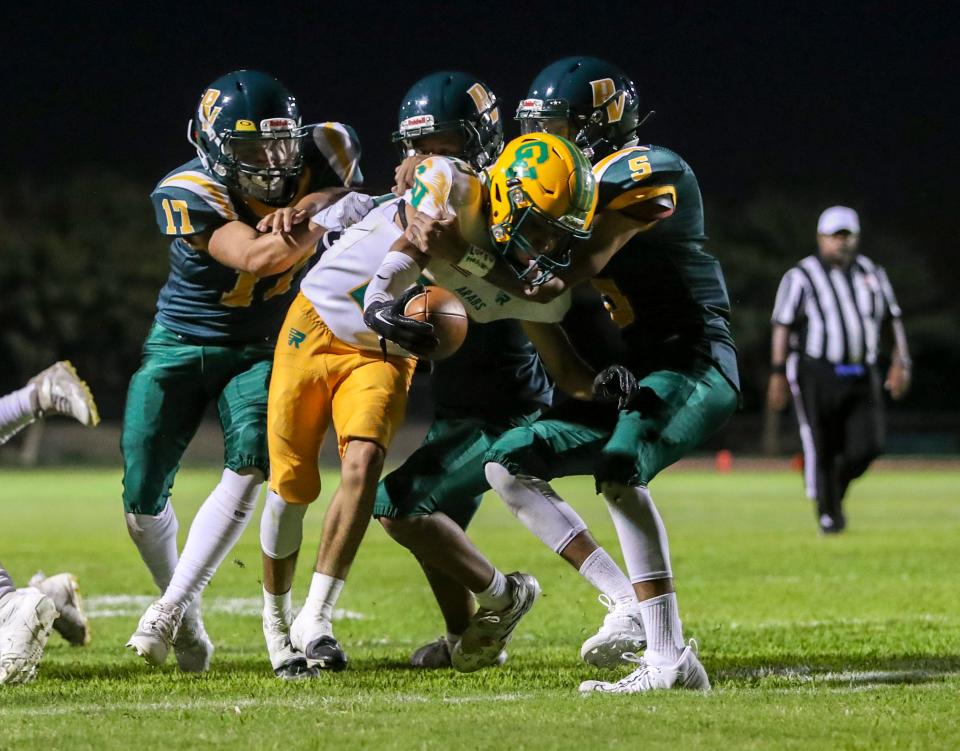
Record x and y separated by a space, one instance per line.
584 184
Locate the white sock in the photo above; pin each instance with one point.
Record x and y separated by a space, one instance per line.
215 530
156 539
16 412
324 591
642 535
537 506
6 583
278 606
661 621
497 594
603 573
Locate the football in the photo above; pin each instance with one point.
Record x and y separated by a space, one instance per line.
445 311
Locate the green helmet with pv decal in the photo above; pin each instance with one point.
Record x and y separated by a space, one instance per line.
451 101
588 100
247 131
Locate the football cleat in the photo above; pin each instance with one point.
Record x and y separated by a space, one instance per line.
60 391
436 654
621 633
156 632
687 672
26 617
71 622
326 653
192 646
489 631
287 663
314 638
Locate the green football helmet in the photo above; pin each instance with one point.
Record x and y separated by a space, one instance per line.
452 101
247 132
587 100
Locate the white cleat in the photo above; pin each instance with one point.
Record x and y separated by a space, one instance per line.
156 632
287 662
621 633
489 631
314 638
71 623
687 672
436 655
192 646
60 391
26 617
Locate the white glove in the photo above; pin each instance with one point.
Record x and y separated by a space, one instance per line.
348 210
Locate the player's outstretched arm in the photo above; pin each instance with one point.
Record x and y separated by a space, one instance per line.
565 366
282 220
241 247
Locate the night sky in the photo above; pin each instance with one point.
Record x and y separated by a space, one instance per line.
856 101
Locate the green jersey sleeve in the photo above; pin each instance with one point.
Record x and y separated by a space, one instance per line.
190 202
638 174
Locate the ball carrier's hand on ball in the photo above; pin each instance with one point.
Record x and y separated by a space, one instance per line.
390 322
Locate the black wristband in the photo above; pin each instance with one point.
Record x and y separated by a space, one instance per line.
780 369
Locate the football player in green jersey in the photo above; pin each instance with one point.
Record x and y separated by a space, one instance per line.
495 381
679 383
232 277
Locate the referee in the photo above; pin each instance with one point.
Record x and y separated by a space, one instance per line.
827 318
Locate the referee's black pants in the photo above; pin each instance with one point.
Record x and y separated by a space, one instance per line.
840 412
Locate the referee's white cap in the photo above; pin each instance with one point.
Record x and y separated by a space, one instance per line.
837 219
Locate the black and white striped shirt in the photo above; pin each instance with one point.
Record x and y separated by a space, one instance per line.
835 314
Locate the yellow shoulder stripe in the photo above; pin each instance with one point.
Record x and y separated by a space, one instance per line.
201 185
338 148
639 195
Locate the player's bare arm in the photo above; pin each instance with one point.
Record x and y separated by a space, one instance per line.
611 231
282 220
241 247
565 366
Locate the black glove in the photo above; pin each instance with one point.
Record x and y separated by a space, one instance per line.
388 320
615 384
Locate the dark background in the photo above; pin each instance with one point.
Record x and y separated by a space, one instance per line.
780 111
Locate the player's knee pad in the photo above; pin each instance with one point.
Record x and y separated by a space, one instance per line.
537 506
281 527
145 528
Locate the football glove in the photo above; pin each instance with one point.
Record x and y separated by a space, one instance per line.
346 212
388 320
615 384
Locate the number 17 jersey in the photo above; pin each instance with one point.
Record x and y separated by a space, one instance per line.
208 302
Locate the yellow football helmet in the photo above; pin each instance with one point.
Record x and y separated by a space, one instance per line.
543 196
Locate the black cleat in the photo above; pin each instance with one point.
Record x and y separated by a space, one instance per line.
296 669
327 653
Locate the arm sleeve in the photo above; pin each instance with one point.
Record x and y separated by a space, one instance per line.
396 273
786 307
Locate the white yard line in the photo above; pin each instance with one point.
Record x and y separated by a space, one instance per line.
237 706
124 606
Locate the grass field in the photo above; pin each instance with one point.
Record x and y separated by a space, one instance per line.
847 642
